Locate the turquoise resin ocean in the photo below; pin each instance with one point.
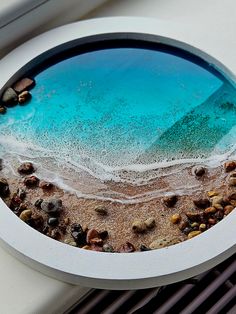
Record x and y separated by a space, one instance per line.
115 109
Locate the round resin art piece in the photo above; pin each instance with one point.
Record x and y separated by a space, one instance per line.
126 147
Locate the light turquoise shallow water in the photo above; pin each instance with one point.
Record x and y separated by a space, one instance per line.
118 107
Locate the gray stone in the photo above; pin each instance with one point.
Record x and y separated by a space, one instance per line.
52 205
9 97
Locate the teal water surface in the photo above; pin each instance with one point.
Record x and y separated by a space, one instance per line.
122 106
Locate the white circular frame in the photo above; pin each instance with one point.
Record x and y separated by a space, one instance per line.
113 270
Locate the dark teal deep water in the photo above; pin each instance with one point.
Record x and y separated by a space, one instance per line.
116 108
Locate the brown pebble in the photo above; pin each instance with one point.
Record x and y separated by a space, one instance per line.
212 221
202 203
24 97
127 247
150 223
139 226
218 206
230 165
232 179
101 210
86 247
193 234
228 209
23 84
46 186
210 210
31 181
91 234
195 216
26 168
103 234
232 196
170 201
199 171
26 215
183 224
175 219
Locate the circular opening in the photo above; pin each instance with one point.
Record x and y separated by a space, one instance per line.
125 129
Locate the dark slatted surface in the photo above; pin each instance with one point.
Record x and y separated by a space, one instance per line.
212 292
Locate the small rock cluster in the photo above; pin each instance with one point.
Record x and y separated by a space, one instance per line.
210 210
18 93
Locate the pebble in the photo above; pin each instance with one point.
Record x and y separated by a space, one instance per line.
230 165
3 109
9 97
103 234
101 210
26 168
202 203
46 186
228 209
127 247
23 84
21 193
26 215
187 230
52 206
31 182
216 200
108 248
232 181
170 201
194 234
212 221
210 210
232 196
199 171
202 227
91 234
24 97
38 203
52 221
183 224
194 216
163 242
4 188
144 248
150 223
194 225
139 226
175 219
86 247
212 193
